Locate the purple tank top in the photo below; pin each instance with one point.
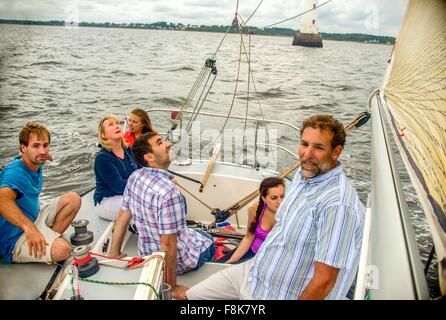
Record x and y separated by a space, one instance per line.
260 234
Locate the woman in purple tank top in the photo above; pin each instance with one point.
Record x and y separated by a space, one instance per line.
261 220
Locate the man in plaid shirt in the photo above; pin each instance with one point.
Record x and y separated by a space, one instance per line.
159 212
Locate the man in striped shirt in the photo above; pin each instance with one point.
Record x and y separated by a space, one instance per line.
159 211
312 252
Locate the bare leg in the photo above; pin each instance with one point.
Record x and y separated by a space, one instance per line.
60 250
67 208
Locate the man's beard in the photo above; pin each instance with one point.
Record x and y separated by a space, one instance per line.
318 168
164 162
38 160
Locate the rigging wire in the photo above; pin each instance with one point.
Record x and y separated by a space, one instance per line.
189 98
247 94
202 74
251 76
252 14
197 84
195 197
199 105
222 40
235 90
250 73
298 15
257 93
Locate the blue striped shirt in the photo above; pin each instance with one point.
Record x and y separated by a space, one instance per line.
158 207
320 220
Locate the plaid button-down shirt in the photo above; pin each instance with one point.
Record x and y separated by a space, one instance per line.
158 207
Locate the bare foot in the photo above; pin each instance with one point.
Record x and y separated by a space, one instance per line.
119 255
179 293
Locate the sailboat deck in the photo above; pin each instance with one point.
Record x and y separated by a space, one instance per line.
29 281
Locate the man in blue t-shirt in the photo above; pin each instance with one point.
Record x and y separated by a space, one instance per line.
29 233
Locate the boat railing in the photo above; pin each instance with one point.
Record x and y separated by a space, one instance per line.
365 276
219 115
292 130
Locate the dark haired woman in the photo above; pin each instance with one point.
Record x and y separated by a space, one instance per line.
139 123
261 220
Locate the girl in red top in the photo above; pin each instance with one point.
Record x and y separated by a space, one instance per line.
138 123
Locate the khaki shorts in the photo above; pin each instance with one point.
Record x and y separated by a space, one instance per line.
230 283
109 208
43 223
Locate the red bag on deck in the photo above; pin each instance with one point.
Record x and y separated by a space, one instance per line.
222 249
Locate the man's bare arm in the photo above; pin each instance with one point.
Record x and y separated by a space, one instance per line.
12 213
323 281
169 246
119 232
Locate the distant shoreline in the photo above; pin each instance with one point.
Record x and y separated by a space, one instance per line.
350 37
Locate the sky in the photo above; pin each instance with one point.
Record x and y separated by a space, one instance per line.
379 17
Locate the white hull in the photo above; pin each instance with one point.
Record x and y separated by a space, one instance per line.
390 266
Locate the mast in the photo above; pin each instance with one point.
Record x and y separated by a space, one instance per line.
308 35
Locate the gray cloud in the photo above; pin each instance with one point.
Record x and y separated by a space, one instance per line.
339 16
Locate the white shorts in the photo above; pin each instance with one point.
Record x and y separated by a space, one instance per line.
109 208
43 223
228 284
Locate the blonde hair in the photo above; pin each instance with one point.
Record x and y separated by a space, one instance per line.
105 144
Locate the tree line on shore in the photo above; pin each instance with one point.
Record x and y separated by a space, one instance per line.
358 37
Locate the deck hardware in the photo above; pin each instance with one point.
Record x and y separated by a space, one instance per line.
220 215
81 236
85 263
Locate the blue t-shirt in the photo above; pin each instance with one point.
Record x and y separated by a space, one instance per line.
112 173
28 185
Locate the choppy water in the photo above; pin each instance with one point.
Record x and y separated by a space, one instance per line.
69 78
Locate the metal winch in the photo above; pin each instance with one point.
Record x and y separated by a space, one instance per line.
81 236
85 263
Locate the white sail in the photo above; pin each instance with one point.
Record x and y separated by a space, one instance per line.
416 95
